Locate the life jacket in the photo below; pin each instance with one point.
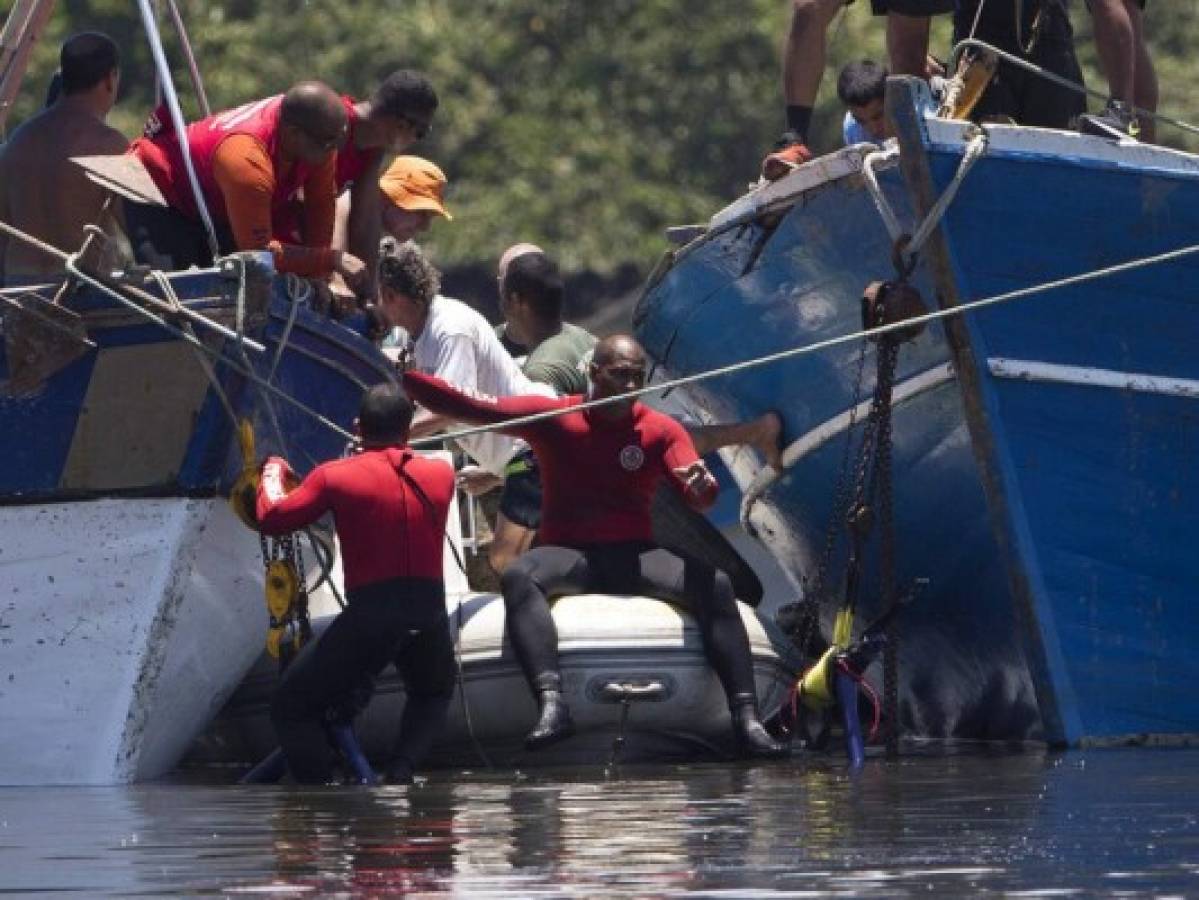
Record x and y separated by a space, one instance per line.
159 151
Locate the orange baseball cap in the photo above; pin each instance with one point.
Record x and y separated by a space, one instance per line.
415 184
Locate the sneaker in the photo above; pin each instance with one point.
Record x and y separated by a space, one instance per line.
1117 121
791 153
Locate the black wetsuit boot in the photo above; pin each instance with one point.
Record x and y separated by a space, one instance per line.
750 734
553 722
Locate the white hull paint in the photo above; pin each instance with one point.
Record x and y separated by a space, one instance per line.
125 625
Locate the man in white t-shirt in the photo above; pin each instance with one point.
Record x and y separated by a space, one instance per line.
454 342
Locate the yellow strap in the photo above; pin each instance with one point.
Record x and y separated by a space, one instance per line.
843 628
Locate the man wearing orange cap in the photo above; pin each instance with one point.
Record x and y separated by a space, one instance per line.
411 194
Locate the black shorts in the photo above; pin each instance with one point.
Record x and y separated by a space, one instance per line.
912 7
520 499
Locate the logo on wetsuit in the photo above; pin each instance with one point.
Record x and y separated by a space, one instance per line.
632 458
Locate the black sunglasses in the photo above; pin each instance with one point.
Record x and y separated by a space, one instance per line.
419 128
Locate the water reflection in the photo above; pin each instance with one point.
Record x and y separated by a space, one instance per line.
1094 823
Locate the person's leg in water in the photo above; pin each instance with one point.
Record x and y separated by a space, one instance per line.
763 434
425 660
356 646
803 68
527 585
708 594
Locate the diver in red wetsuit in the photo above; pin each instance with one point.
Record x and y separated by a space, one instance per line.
599 469
389 507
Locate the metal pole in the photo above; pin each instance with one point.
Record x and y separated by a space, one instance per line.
132 291
172 99
192 68
22 29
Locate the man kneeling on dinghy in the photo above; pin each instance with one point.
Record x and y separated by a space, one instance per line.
389 506
599 468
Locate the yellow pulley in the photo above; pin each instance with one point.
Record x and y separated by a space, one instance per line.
816 686
243 497
282 588
274 638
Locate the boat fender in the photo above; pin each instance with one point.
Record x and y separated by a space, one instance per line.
889 302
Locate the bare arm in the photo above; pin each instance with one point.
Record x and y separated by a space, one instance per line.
363 225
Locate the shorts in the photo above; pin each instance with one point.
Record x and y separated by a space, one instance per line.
520 499
912 7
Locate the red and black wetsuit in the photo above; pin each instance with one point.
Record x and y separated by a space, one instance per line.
389 507
598 479
598 474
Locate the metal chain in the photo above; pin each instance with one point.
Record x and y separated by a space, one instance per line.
815 589
888 360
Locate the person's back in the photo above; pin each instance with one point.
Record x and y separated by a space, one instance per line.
385 528
41 191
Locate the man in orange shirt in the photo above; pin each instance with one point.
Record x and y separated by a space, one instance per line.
251 162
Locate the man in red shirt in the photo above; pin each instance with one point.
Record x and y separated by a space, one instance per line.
251 163
389 506
599 470
397 115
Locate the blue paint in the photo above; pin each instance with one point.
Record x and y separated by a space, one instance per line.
325 366
1097 486
750 291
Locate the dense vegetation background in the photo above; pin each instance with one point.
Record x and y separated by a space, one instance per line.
585 125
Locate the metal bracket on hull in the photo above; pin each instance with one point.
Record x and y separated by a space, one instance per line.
41 339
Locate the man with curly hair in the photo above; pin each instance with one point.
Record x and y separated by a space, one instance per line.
454 342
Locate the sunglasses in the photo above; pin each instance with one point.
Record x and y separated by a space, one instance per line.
325 143
420 129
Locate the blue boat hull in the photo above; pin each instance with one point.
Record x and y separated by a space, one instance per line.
137 414
1083 404
789 277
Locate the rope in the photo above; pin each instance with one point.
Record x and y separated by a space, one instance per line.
73 269
908 252
961 47
878 158
168 292
816 347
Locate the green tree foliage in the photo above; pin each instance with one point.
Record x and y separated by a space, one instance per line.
585 126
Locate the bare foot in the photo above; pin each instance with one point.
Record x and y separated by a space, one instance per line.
767 431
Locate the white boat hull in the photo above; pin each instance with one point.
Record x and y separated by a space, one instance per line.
125 625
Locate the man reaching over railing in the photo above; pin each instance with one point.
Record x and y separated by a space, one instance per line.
251 162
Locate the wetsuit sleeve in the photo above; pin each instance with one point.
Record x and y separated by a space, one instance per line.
680 453
280 512
246 177
476 409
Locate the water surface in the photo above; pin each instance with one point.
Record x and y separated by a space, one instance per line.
1115 823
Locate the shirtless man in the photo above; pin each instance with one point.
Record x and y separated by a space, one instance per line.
41 191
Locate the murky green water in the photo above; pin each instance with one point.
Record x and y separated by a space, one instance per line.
1115 823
